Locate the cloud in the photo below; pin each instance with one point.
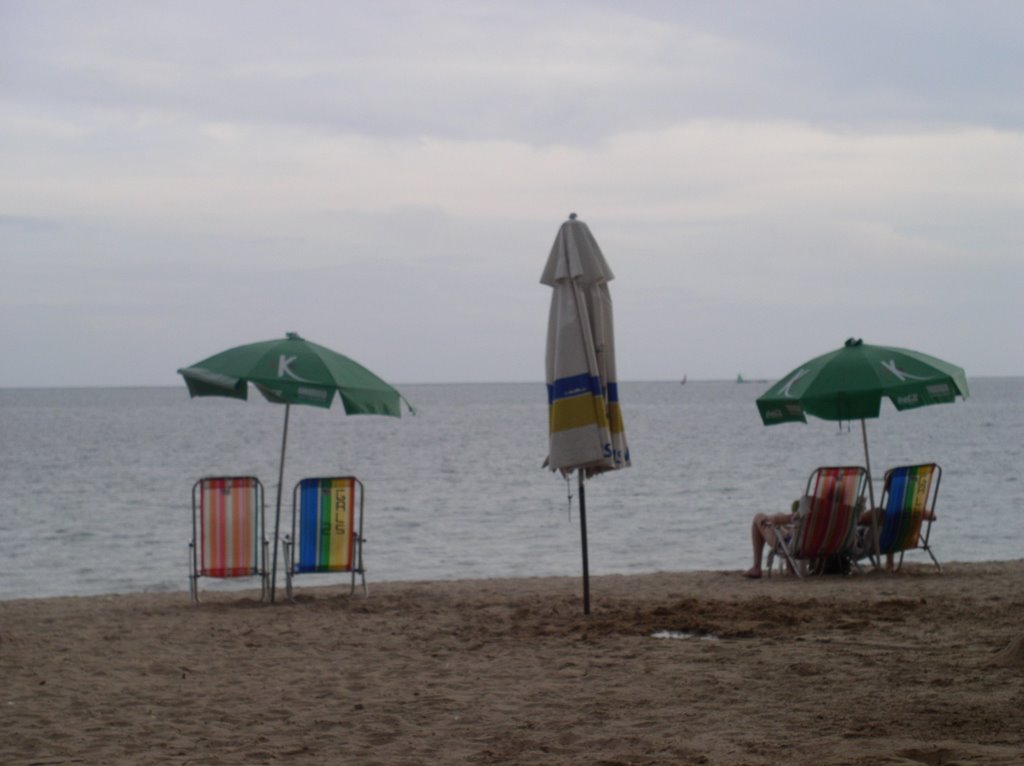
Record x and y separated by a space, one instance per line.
226 171
529 72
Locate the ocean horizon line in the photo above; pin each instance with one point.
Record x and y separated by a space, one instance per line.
626 381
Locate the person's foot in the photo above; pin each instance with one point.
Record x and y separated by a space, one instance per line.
754 573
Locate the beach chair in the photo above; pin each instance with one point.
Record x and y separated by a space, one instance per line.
327 529
228 532
825 524
908 509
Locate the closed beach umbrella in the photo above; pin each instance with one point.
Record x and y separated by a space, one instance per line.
585 426
290 371
850 382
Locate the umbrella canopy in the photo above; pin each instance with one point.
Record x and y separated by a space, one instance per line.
849 383
585 429
292 370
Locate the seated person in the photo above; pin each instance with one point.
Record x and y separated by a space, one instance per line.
762 530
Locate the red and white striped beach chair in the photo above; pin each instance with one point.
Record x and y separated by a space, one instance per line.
826 521
228 531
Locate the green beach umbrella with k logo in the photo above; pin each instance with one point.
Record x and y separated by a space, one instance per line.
292 370
850 383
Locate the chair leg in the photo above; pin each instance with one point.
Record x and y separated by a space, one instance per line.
288 587
792 564
934 560
362 579
193 576
288 546
265 596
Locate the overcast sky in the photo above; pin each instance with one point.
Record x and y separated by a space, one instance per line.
765 178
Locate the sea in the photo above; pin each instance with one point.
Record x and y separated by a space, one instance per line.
96 483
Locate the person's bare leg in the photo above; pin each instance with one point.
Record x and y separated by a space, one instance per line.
762 531
757 541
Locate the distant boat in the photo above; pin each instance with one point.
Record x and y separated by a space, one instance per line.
683 381
741 379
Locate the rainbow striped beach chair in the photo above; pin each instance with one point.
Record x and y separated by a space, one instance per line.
826 521
228 532
908 509
327 529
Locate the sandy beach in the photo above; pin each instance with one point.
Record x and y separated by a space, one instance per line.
914 668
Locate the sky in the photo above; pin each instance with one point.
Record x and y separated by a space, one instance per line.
765 178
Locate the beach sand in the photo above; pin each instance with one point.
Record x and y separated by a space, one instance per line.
914 668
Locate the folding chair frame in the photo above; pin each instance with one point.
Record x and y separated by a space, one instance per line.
828 526
893 527
198 565
294 565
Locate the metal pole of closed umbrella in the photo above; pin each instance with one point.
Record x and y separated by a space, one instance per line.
583 543
585 427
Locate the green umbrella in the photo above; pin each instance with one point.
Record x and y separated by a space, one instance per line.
293 371
849 384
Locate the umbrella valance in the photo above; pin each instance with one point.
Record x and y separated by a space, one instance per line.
202 382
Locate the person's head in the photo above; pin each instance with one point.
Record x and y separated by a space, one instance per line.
796 505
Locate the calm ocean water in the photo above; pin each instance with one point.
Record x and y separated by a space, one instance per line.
95 483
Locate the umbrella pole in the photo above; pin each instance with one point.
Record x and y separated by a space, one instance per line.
277 513
867 460
583 538
875 558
